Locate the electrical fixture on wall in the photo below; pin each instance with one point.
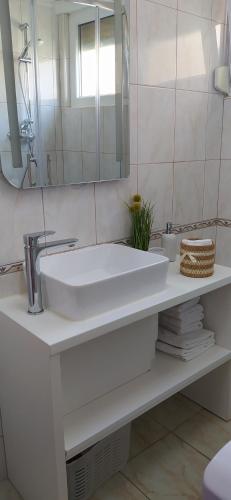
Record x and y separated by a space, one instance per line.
222 74
222 80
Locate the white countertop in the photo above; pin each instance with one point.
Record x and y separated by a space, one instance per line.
59 333
94 421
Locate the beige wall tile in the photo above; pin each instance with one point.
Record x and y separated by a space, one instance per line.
112 215
223 254
226 142
168 3
155 184
212 173
214 127
199 7
73 167
133 42
191 119
20 212
193 52
188 192
70 211
217 52
156 118
156 45
224 204
72 129
133 124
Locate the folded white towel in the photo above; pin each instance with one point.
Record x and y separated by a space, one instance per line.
185 306
180 329
185 318
184 354
188 341
184 314
197 243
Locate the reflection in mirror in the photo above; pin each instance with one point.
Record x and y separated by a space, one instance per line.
65 65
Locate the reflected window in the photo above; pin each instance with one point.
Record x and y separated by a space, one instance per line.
88 58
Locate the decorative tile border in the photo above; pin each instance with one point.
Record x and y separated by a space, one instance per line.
156 235
195 226
11 268
223 222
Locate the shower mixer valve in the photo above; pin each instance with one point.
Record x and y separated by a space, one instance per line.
25 130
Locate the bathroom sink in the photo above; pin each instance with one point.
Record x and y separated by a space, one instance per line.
90 281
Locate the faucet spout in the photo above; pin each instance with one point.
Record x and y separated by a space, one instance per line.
32 249
59 243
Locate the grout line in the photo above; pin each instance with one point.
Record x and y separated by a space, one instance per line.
133 484
208 18
43 209
204 185
175 122
193 447
191 162
95 214
44 217
219 179
123 473
4 447
151 444
178 89
137 91
187 420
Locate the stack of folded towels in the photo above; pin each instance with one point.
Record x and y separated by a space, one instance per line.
181 331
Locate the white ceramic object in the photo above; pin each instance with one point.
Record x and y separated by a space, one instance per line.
169 244
91 281
43 379
217 482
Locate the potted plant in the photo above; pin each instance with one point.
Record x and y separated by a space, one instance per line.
142 221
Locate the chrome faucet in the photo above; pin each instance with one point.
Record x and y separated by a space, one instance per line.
32 249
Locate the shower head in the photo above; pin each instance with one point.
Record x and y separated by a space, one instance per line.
24 26
24 54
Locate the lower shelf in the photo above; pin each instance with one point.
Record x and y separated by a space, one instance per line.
89 424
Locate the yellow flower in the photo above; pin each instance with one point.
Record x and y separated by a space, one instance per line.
137 198
136 206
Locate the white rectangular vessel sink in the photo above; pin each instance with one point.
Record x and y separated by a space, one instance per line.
90 281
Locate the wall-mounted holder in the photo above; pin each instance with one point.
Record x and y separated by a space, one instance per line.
222 80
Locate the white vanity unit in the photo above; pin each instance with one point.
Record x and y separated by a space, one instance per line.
66 384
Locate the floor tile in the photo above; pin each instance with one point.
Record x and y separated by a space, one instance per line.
7 492
169 470
205 432
118 488
145 432
174 411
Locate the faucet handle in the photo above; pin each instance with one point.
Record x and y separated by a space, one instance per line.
31 239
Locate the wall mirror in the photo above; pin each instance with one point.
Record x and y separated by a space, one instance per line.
64 99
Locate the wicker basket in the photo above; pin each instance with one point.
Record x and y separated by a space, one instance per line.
86 472
197 261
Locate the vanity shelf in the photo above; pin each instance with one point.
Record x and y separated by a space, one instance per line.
60 334
105 415
39 359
